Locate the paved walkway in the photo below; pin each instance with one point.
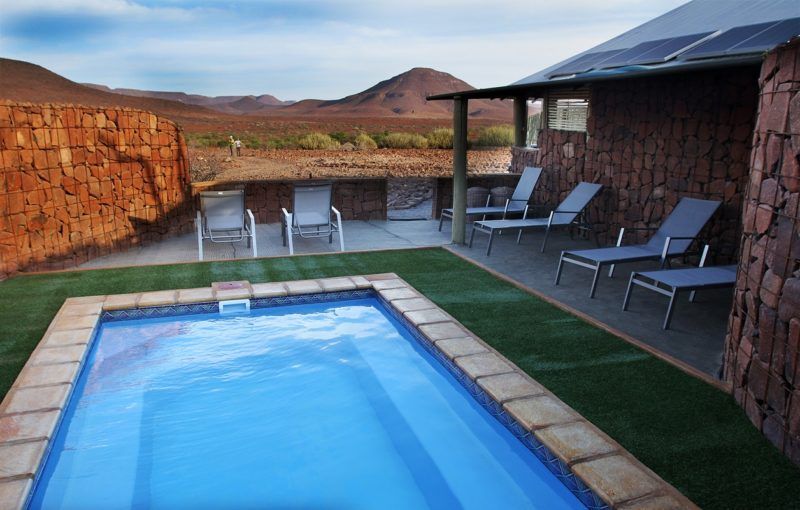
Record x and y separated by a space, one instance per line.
698 329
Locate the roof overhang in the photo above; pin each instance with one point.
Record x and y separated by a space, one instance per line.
533 89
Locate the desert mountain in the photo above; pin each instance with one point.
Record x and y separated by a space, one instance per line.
23 81
227 104
403 95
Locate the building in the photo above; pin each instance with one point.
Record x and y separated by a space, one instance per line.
703 101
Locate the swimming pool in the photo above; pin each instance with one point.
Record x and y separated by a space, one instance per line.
328 404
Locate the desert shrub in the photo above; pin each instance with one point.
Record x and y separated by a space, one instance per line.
363 141
317 141
341 136
441 138
496 136
379 138
405 141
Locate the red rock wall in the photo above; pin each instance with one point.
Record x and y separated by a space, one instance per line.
356 199
652 141
763 340
79 182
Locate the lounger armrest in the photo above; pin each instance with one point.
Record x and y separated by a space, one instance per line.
668 242
622 231
198 221
558 211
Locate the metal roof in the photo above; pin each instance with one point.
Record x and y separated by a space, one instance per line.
694 17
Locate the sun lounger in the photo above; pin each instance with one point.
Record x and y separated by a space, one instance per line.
222 218
516 204
672 239
569 212
311 215
670 282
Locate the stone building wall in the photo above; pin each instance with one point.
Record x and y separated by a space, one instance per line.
651 141
356 199
78 182
763 341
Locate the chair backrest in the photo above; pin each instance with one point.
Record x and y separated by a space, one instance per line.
311 204
686 220
527 182
223 210
575 203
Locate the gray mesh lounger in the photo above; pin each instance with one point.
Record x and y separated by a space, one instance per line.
223 218
516 204
312 214
568 212
671 281
672 239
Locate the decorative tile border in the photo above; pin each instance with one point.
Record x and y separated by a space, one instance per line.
590 464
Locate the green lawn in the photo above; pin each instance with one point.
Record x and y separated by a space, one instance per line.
690 433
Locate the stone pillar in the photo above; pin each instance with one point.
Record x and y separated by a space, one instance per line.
459 170
763 339
520 121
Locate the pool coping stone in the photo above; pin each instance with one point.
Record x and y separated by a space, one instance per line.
31 409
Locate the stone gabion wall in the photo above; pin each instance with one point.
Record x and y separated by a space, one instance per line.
356 199
763 341
78 182
652 141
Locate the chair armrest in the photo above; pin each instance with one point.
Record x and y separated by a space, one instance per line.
668 241
198 221
336 212
252 219
622 231
285 213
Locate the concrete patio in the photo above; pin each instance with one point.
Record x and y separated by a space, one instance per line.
698 329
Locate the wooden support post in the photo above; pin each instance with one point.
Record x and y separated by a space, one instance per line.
520 121
459 170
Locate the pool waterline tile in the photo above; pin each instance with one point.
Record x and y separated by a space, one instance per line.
497 384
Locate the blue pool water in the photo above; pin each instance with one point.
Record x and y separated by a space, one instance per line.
329 405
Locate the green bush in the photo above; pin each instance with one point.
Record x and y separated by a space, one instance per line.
496 136
363 142
341 136
405 141
317 141
441 138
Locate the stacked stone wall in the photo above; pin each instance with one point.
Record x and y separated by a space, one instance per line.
763 342
652 141
443 190
78 182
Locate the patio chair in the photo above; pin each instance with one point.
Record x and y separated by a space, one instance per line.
672 239
311 215
516 204
670 282
222 218
568 213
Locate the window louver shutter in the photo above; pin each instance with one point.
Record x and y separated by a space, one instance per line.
567 110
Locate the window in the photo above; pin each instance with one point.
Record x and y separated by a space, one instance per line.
568 110
534 121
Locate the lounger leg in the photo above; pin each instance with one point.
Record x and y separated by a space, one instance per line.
628 292
441 220
594 282
670 309
691 296
544 241
560 266
519 235
472 236
489 247
611 270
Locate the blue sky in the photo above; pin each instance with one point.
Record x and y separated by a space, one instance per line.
296 49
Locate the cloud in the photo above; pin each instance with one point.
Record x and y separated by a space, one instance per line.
305 48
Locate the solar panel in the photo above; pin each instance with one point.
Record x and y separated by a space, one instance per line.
769 38
717 46
582 64
622 58
668 49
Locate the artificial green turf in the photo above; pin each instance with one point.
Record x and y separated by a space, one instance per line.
690 433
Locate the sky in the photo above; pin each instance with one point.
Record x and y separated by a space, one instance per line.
298 49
